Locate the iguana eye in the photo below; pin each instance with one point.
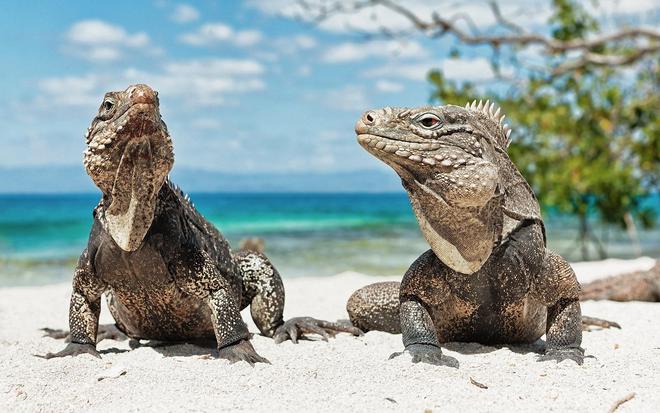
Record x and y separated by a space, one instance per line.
429 120
107 109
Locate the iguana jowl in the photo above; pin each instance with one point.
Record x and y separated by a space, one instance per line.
488 276
167 272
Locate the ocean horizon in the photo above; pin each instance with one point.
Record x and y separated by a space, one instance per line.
306 234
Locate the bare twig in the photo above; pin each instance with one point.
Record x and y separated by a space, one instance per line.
619 402
476 383
495 8
606 60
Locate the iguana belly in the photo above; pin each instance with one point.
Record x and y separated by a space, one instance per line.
162 314
144 299
521 321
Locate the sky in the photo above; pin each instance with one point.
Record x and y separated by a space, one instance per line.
245 86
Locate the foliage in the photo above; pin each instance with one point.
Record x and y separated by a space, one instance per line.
587 140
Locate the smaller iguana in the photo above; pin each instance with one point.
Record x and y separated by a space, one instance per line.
167 272
488 276
634 286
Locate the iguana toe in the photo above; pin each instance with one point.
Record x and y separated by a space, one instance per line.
73 349
241 351
429 354
560 354
299 326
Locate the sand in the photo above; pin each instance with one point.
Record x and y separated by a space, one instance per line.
345 374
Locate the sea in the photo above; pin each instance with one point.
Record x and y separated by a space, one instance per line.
41 236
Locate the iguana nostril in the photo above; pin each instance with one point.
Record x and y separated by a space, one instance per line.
369 118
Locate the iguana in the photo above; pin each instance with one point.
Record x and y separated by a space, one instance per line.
168 273
634 286
488 276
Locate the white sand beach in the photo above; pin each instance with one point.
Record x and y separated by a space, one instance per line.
345 374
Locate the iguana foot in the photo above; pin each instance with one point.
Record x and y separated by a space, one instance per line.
560 354
73 349
427 353
299 326
241 351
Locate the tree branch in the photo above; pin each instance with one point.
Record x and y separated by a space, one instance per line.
645 39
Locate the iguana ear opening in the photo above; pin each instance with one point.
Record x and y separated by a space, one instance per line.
134 193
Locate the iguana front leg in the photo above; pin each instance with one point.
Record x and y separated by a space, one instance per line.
231 333
557 287
564 332
421 284
198 274
264 292
84 310
419 336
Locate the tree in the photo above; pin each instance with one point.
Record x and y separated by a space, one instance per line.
586 133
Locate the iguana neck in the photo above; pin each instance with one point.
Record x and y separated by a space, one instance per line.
462 238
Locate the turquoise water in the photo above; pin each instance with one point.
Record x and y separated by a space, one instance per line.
41 236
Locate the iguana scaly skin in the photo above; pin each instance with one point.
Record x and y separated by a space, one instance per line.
488 276
167 272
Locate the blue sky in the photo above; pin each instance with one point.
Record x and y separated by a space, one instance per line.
244 86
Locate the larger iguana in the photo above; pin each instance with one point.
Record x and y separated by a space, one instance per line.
488 276
167 272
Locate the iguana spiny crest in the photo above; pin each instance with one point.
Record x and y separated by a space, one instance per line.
493 112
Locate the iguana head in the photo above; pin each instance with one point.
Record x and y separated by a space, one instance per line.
449 160
431 140
129 154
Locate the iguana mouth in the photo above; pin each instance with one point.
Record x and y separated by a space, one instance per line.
428 153
147 125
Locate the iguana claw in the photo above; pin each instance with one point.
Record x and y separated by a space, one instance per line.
241 351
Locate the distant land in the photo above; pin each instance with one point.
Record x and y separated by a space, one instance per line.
73 179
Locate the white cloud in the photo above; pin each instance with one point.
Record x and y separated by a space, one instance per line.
467 69
459 69
622 7
304 42
387 86
99 41
204 82
304 70
375 19
247 37
349 52
196 83
216 33
103 53
348 98
215 67
69 90
184 13
206 123
294 44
